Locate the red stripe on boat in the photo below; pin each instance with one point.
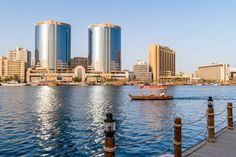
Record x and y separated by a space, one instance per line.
153 87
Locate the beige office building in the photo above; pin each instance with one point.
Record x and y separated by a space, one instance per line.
20 54
214 72
141 71
161 60
11 68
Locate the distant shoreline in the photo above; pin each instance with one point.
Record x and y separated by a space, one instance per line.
101 84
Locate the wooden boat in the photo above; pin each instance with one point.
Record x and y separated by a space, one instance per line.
162 96
52 84
13 83
151 97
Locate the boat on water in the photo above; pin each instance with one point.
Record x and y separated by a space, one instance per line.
199 84
161 96
13 83
151 97
53 84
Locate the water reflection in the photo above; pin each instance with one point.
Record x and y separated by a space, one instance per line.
145 120
53 120
158 114
99 103
68 121
101 100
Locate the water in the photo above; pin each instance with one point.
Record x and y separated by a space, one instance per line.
68 121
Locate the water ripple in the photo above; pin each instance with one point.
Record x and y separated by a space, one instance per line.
68 121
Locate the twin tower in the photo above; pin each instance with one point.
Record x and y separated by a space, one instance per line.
53 46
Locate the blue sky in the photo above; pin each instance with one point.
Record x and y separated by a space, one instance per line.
200 31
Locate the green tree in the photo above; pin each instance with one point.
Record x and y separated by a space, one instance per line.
8 79
75 79
16 78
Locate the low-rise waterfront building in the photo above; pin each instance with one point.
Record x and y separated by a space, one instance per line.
130 74
141 71
41 75
79 61
12 69
44 76
107 77
232 73
162 62
20 54
214 72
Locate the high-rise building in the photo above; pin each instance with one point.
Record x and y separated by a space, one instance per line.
162 61
76 61
52 45
12 68
214 72
20 54
104 48
141 71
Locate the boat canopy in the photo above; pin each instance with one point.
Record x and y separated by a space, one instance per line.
153 87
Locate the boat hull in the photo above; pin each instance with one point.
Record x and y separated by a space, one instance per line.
151 97
13 85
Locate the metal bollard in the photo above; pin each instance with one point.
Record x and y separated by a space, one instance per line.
109 147
230 116
177 138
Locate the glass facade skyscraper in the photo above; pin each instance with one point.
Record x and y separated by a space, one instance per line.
104 48
52 45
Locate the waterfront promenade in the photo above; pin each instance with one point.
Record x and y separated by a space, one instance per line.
224 146
217 144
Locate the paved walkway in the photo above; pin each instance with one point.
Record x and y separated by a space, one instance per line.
225 146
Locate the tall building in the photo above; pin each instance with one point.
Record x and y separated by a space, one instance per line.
214 72
141 71
20 54
12 68
162 62
76 61
104 48
52 45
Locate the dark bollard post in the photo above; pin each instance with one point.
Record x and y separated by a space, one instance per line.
109 147
177 138
230 116
210 121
